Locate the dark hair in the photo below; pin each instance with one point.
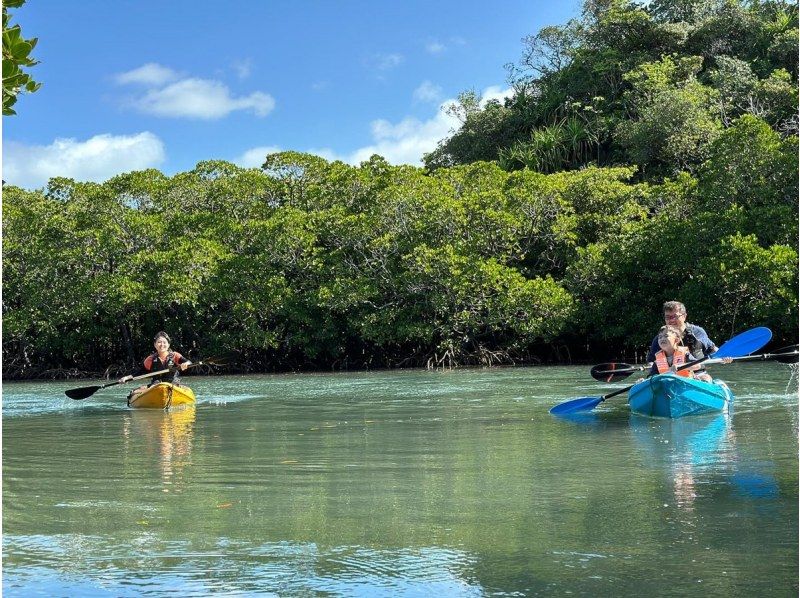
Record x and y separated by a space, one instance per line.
160 334
665 331
675 306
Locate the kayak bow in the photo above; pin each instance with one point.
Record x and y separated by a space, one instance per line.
162 396
668 395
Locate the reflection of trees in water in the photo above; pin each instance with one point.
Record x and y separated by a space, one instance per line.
167 435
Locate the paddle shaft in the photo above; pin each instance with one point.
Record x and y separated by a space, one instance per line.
679 368
151 374
85 392
763 357
142 377
159 372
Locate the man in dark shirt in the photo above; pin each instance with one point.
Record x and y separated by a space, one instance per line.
694 338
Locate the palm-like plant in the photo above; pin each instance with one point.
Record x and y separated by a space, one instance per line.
565 144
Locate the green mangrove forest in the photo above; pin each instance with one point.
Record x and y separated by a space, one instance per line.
649 153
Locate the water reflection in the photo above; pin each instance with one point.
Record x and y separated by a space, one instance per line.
167 435
698 442
695 450
595 419
399 484
686 448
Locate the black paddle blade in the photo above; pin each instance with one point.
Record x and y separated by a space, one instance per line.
610 372
82 393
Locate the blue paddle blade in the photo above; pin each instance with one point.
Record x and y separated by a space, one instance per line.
582 404
744 343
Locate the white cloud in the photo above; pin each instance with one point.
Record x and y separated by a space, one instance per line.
319 85
427 92
171 95
384 62
254 158
408 140
495 92
403 142
149 74
243 68
435 47
202 99
96 159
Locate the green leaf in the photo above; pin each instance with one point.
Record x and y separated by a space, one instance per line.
9 68
20 50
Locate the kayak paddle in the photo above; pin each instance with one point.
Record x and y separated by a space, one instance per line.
613 371
85 392
740 345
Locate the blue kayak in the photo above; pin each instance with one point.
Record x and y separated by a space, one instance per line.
668 395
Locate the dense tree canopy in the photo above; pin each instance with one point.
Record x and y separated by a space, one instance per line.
306 263
644 83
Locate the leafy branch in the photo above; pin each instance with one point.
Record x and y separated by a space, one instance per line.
16 55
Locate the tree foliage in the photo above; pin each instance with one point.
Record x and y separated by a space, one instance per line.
649 153
307 263
16 56
646 83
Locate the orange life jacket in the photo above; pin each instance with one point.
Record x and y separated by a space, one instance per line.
678 359
154 363
173 358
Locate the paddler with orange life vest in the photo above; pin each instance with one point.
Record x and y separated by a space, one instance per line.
162 359
672 355
692 336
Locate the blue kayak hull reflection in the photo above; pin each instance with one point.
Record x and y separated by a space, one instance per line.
668 395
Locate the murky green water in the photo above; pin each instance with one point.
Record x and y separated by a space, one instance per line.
400 484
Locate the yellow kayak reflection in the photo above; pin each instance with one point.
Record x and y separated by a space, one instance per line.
166 435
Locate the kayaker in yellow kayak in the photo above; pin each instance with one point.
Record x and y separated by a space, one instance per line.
162 359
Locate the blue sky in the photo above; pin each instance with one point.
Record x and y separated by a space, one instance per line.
129 85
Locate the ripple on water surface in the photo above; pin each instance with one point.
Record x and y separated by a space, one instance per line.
399 483
148 566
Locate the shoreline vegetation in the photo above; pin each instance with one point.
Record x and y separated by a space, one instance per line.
649 153
117 371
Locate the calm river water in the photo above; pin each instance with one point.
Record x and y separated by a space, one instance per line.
407 483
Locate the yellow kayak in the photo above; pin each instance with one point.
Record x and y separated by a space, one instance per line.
162 396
